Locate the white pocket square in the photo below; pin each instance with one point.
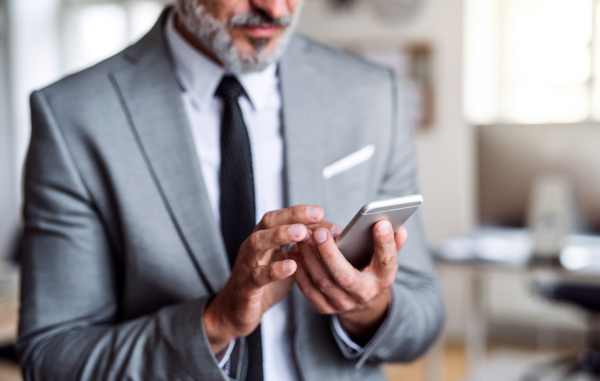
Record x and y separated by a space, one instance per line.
349 161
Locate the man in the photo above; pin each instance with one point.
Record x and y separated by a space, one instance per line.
158 245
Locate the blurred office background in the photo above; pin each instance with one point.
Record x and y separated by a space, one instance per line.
506 103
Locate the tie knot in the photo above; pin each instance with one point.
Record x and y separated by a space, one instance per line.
230 89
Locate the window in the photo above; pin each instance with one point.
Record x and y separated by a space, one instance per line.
48 39
532 61
94 30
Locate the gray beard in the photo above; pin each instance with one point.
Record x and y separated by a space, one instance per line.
214 35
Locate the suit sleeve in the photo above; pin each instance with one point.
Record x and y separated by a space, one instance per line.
69 325
416 313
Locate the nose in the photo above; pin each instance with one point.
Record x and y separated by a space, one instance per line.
274 8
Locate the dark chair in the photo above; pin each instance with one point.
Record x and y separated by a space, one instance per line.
585 365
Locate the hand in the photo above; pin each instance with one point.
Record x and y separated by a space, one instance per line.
332 285
260 277
333 228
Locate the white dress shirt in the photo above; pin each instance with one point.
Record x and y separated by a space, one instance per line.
199 78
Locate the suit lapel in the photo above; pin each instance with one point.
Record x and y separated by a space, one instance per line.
151 97
303 125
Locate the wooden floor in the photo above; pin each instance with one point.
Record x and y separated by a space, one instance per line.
453 367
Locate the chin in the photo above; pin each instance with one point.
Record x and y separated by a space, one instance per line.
253 45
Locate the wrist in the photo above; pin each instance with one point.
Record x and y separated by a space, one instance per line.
218 333
362 324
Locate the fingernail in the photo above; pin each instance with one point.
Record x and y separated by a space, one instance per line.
307 236
287 266
385 229
312 212
320 236
295 230
336 230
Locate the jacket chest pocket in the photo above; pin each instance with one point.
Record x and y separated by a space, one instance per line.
349 183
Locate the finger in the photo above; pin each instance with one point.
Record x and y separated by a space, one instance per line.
322 278
342 272
400 238
315 297
263 240
265 274
333 228
336 230
300 214
385 257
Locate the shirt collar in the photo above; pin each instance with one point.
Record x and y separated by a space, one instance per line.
200 77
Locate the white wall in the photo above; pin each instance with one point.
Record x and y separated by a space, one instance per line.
445 151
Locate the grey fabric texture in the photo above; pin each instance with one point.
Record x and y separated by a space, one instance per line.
121 252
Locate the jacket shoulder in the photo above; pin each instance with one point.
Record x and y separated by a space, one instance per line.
89 81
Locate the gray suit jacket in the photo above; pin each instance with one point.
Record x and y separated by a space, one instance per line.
121 251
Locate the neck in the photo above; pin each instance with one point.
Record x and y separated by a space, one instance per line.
189 37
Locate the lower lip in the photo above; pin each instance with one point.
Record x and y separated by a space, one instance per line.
261 31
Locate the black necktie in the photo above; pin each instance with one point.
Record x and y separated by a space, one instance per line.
236 183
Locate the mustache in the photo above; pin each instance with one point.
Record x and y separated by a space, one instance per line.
257 17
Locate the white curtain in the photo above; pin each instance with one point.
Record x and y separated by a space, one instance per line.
49 39
8 202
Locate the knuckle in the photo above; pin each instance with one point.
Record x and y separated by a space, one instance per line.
324 284
336 304
254 241
327 253
282 233
268 219
389 260
296 212
347 280
272 273
364 297
387 243
346 306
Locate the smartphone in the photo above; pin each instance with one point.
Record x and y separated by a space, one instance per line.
356 240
